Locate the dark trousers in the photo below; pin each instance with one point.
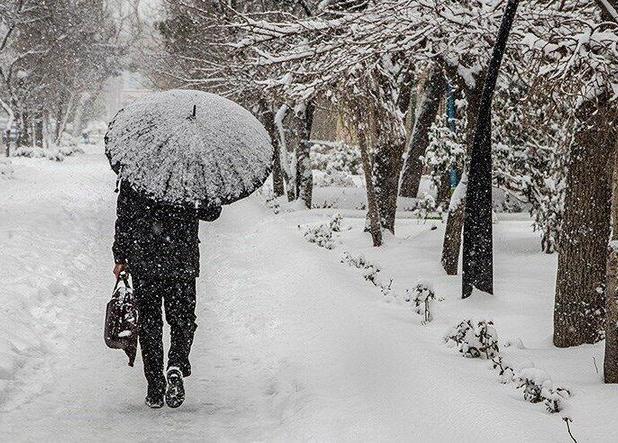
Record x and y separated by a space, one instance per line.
179 300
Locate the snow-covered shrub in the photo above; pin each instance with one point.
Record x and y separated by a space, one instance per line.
6 168
425 206
474 339
335 222
67 140
538 387
446 149
53 153
423 298
321 235
336 179
69 150
370 271
336 156
505 370
270 200
511 204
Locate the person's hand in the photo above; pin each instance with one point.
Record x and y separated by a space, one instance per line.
118 268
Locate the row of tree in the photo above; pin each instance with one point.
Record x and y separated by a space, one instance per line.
55 56
553 124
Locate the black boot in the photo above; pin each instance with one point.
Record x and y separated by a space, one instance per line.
175 393
155 397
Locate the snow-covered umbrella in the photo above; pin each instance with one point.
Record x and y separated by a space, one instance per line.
185 147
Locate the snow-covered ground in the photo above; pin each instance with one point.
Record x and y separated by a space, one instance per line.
292 344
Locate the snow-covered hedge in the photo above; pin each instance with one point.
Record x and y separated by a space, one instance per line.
332 178
322 235
336 156
474 339
369 270
423 298
480 340
55 154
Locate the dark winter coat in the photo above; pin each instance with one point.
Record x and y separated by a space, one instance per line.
157 240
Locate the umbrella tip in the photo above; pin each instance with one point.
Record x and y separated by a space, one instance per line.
192 116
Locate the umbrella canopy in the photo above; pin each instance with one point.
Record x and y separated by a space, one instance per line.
181 147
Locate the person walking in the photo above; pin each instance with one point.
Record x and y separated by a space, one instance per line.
158 244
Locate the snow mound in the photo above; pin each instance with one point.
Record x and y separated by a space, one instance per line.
184 146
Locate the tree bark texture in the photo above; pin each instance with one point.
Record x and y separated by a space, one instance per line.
373 213
268 117
455 217
304 174
478 260
427 109
579 309
610 363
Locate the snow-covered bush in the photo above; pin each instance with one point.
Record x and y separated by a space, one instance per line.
55 154
446 148
332 178
336 156
321 235
505 370
423 298
474 339
538 387
6 168
335 222
426 206
511 204
370 271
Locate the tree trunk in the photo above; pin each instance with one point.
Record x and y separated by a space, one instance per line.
25 138
579 309
78 116
610 365
386 169
455 216
38 130
268 117
427 109
478 261
373 213
283 152
444 189
454 223
304 174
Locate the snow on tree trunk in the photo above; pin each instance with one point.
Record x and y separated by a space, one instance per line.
426 111
386 169
610 365
477 264
579 309
373 213
268 119
283 152
455 218
78 117
38 132
9 126
304 174
454 222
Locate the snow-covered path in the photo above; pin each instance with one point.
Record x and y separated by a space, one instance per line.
291 344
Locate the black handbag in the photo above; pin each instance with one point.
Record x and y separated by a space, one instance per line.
122 319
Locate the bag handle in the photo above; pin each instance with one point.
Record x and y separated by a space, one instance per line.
124 277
